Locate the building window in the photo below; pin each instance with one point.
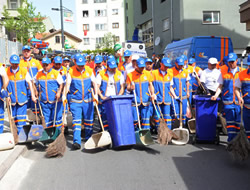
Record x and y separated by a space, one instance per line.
99 40
57 38
211 17
13 4
117 39
114 11
101 27
147 33
127 19
115 25
84 1
85 13
86 27
100 1
143 6
165 24
162 1
126 6
100 13
85 41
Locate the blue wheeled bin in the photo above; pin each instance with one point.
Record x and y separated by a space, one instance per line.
120 120
206 118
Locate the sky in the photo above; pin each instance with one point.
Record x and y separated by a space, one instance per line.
45 6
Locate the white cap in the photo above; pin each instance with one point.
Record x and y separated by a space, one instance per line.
135 57
213 60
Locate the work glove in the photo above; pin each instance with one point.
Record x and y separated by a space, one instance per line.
178 99
4 93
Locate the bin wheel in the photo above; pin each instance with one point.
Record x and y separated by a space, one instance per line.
194 139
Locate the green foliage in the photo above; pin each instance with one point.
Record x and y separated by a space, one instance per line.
100 51
108 41
24 24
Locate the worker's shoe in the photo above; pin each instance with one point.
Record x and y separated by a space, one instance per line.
76 146
66 131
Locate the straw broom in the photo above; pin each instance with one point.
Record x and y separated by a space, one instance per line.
239 146
13 127
165 135
58 147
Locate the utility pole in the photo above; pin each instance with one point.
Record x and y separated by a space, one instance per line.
62 30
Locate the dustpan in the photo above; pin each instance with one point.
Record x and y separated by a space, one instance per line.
50 134
99 139
142 136
181 132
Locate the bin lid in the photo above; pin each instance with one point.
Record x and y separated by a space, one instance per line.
118 97
203 97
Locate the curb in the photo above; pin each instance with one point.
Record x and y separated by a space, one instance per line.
7 163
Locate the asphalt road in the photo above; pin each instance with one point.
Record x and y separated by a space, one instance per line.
200 166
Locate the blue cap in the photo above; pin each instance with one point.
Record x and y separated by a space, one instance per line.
105 57
14 59
66 59
179 61
58 59
112 63
72 57
248 60
98 59
80 60
166 61
184 57
46 60
191 60
26 47
77 55
111 57
127 53
141 62
148 60
232 57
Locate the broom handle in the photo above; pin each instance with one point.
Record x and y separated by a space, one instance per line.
40 107
55 114
155 106
10 115
36 114
97 110
173 106
137 111
180 91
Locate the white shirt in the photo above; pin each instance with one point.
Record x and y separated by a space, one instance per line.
238 83
211 78
111 83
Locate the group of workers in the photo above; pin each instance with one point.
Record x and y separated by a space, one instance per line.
56 86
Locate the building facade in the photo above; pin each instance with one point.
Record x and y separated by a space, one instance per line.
164 21
95 18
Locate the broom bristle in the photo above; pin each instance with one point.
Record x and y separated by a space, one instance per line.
165 135
239 146
58 147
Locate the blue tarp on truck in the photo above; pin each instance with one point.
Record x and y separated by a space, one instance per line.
201 48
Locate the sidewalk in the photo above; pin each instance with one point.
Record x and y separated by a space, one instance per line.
8 157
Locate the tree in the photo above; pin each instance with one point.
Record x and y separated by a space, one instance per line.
26 24
108 41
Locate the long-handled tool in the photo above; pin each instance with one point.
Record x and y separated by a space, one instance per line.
31 133
51 133
99 139
7 139
164 133
192 121
176 123
182 133
58 147
239 146
13 127
143 136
